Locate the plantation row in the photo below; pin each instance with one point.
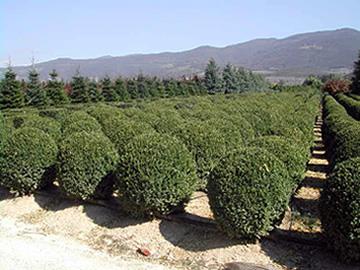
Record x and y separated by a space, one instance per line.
351 104
248 152
36 93
340 200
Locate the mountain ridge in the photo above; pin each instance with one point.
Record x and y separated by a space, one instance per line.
296 55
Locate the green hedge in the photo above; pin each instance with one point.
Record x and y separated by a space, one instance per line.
29 159
85 160
48 125
287 152
156 175
207 146
350 104
248 191
80 121
340 210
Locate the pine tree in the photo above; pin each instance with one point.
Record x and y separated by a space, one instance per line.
94 92
355 80
36 94
55 90
108 90
79 89
11 95
132 89
229 79
142 88
121 90
170 88
212 77
160 88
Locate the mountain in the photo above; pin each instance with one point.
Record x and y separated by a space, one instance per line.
297 55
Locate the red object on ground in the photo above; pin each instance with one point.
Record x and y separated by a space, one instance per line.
143 251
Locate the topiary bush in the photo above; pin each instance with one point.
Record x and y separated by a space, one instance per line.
287 153
207 146
48 125
347 143
29 158
248 191
80 121
85 160
156 175
340 210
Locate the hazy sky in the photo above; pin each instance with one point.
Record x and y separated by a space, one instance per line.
50 29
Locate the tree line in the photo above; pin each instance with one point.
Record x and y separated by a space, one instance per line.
54 91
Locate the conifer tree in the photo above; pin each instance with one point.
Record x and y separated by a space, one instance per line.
170 88
142 88
36 94
160 88
55 90
79 89
229 78
108 90
212 77
11 95
355 80
132 89
121 90
94 92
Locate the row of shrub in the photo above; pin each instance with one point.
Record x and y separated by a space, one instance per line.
340 199
247 151
351 105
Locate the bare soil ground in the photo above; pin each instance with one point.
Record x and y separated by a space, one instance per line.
111 237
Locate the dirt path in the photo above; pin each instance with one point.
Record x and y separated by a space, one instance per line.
305 204
24 247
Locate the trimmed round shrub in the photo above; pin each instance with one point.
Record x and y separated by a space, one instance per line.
80 121
287 153
248 191
29 159
121 131
340 210
103 112
48 125
59 114
156 175
207 146
85 160
347 143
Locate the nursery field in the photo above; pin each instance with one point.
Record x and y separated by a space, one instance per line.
246 152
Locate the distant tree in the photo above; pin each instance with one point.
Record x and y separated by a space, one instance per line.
132 89
313 81
55 90
142 88
170 88
355 80
337 86
94 92
153 85
160 88
35 94
120 89
79 89
230 80
108 90
212 78
11 95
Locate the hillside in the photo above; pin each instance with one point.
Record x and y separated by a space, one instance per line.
297 55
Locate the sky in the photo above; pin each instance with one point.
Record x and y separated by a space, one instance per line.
49 29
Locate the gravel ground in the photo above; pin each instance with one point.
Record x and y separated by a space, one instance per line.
24 247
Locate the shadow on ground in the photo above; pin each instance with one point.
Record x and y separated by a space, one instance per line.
110 218
195 238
